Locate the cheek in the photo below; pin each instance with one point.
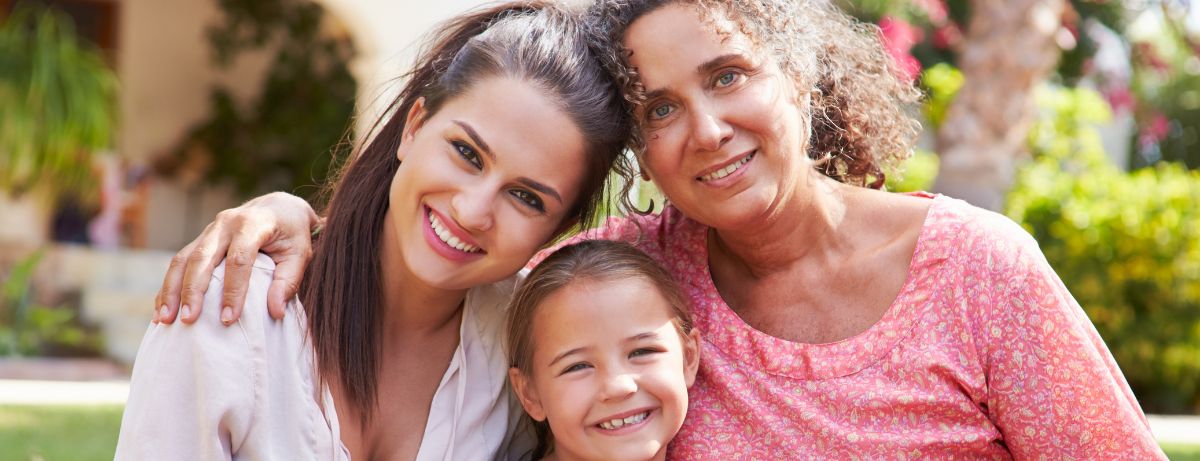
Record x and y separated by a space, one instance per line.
523 235
565 403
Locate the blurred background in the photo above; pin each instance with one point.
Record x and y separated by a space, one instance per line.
125 125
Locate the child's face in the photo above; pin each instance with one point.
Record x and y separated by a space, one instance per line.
610 370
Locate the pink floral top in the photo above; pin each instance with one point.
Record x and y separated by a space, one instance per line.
983 355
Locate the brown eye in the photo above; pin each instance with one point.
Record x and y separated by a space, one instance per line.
529 199
467 153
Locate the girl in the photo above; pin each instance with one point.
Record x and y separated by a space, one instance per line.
602 351
501 138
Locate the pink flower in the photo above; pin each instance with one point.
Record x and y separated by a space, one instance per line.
947 36
1158 128
898 39
1120 98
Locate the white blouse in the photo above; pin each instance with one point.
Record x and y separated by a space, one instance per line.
249 391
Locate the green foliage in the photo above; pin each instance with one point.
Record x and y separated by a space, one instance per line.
940 82
919 172
30 329
284 140
1127 245
59 104
1167 84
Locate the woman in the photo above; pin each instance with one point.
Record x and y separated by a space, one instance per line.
838 320
501 138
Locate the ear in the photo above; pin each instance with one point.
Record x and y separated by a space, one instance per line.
691 356
527 394
413 121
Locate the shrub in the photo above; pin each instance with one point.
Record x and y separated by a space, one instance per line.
1127 245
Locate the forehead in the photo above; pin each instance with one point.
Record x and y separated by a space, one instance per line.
673 41
524 127
588 312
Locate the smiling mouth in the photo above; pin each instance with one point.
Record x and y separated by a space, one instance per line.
443 233
618 423
728 170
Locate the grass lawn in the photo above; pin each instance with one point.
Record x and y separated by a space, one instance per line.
1182 452
54 433
80 433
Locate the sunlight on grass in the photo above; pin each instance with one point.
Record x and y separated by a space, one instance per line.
53 433
1177 452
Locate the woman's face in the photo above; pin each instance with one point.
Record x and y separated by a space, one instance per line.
483 183
609 370
721 122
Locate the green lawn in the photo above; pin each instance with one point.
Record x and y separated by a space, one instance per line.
80 433
54 433
1182 452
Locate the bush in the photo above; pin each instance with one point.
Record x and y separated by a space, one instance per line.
1127 245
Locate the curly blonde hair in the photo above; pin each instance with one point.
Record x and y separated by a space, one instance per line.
860 121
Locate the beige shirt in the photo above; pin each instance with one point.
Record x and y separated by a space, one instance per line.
249 391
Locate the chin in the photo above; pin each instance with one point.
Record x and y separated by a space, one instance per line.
636 453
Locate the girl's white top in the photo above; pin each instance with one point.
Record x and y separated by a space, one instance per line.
249 390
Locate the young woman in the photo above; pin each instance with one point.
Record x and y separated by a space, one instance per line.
501 139
839 320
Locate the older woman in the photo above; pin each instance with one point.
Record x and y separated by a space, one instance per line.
838 320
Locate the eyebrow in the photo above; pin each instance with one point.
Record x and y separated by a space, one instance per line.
483 146
565 354
646 335
475 137
631 339
704 68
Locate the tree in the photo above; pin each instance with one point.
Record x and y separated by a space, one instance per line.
1009 48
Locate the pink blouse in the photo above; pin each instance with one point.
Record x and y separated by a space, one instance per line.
983 355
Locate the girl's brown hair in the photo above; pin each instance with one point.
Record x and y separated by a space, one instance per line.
587 261
861 126
531 40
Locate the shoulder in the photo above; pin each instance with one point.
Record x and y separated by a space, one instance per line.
980 239
263 270
485 308
488 302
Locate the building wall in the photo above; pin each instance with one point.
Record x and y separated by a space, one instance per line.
387 34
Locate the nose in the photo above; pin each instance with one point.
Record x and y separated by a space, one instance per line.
709 129
472 207
618 386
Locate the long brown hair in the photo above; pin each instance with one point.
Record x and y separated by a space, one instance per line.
861 123
586 261
531 40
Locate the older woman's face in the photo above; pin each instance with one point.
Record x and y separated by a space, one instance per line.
721 122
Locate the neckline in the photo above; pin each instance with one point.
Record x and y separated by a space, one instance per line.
816 361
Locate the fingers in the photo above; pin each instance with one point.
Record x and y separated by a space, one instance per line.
239 264
279 224
289 270
211 246
166 302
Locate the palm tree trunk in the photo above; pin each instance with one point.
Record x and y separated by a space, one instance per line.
1008 50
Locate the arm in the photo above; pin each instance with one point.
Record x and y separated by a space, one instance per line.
1054 389
277 224
192 391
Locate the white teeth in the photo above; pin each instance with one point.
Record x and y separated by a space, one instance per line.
723 172
444 234
621 422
